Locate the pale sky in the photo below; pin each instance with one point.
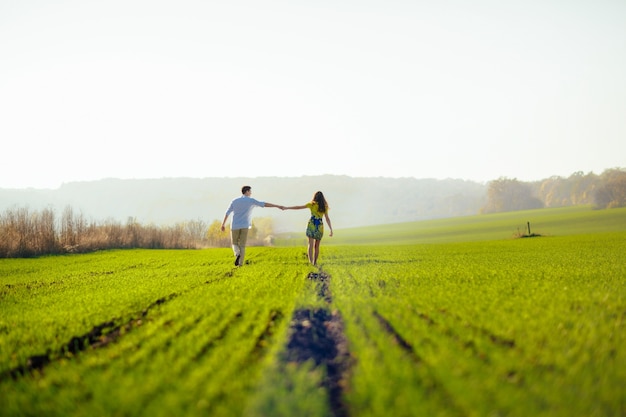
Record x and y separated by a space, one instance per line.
475 90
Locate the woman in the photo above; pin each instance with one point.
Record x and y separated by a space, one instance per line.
315 227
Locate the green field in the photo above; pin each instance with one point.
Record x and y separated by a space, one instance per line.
448 317
565 221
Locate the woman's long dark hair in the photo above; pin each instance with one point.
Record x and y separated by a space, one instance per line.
322 205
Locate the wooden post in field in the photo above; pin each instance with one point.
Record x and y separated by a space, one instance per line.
528 224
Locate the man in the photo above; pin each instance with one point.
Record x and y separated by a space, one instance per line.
241 208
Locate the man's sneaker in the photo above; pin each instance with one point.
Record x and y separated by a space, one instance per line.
237 260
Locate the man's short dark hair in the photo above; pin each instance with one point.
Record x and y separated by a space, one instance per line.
245 189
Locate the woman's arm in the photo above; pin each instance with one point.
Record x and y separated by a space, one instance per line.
295 208
330 226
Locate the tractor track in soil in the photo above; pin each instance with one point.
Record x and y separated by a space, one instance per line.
99 336
317 334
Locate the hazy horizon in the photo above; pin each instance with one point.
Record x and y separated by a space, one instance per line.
263 177
395 89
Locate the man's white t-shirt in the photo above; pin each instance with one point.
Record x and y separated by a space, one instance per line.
241 208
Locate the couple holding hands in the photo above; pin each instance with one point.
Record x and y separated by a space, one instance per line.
241 208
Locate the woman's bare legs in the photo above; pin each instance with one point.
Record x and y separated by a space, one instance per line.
310 250
317 251
313 250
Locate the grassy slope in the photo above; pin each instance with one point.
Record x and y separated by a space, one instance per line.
500 226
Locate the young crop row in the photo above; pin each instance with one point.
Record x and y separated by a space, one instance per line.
517 327
525 327
184 332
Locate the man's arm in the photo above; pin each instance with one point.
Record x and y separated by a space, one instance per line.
224 222
274 205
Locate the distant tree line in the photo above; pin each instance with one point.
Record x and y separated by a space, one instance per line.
607 190
354 202
25 233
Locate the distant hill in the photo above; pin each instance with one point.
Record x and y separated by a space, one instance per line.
353 201
545 222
